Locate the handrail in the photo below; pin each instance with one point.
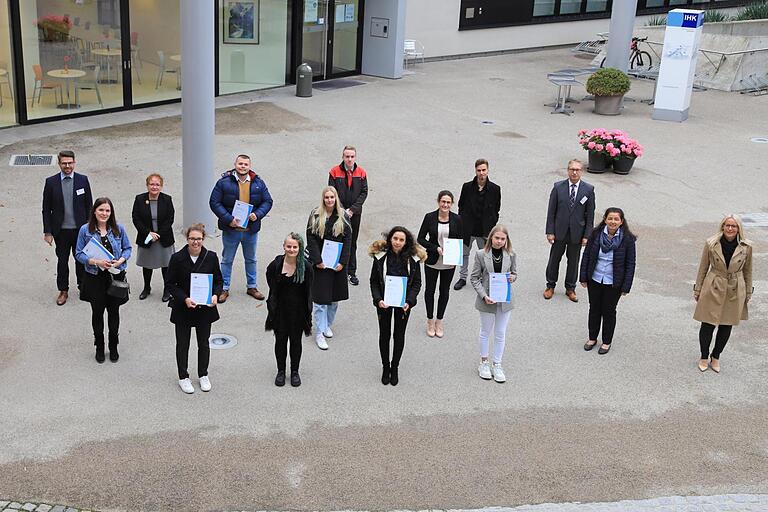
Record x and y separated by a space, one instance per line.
723 55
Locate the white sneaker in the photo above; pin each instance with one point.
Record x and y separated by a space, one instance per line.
328 333
186 386
321 343
484 370
205 384
498 373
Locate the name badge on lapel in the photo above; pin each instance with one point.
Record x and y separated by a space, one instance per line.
80 191
583 200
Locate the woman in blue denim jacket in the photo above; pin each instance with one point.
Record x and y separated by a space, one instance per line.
103 228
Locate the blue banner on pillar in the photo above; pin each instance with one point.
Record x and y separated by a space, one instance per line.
684 19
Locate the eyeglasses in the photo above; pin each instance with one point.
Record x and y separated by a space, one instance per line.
575 169
190 239
731 226
67 164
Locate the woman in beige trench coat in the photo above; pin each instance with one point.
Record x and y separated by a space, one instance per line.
723 288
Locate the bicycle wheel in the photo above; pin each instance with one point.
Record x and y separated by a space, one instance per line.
641 60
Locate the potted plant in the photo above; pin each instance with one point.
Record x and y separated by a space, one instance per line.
54 28
629 150
608 86
609 148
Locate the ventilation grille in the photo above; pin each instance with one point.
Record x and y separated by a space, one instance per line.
31 160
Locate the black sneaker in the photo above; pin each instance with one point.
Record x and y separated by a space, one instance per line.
295 379
461 283
280 378
353 280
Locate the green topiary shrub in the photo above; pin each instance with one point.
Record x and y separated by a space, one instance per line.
608 82
755 11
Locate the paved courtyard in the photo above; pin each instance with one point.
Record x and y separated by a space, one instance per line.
568 426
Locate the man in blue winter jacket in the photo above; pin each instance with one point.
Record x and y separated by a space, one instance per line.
243 184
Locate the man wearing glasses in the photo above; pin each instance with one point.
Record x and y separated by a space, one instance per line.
570 220
67 203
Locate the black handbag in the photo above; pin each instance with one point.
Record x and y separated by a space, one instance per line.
119 287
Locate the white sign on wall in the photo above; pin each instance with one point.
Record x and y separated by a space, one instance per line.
678 65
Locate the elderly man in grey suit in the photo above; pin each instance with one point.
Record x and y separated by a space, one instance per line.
570 219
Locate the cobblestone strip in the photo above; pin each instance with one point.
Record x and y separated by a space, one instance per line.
15 506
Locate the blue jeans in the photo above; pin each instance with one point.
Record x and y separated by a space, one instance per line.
231 239
324 315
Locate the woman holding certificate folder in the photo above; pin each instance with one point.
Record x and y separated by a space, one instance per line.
441 234
328 242
395 284
493 273
194 281
103 247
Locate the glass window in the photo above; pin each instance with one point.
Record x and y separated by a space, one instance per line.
597 5
155 50
678 2
345 23
253 44
72 56
7 106
570 6
543 7
654 3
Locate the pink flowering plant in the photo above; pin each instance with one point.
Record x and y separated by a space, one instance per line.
612 143
54 27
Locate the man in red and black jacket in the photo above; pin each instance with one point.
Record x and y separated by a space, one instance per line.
351 183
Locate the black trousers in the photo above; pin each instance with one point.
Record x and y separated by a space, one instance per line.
385 332
602 308
281 348
352 265
97 321
66 242
183 335
705 339
431 276
572 253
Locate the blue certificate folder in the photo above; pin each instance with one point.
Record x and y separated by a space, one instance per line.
94 250
500 289
201 288
242 212
394 291
331 253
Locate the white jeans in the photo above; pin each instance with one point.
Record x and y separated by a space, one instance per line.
498 323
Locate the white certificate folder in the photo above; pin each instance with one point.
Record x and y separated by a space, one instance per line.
201 288
394 291
331 253
453 251
241 212
500 287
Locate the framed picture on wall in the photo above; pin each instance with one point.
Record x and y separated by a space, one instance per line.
241 21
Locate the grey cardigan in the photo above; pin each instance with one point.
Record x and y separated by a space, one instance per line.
480 278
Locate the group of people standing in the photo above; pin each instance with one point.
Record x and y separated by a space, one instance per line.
303 290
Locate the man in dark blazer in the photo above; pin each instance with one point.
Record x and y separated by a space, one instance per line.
67 203
570 220
479 206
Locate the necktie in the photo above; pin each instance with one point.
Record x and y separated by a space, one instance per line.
572 197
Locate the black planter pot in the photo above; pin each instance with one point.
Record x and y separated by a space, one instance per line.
598 162
623 165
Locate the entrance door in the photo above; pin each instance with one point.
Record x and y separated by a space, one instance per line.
331 37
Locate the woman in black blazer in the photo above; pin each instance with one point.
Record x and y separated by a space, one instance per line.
153 219
607 271
435 228
397 256
185 313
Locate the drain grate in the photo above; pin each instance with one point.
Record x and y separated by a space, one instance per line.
757 220
221 341
31 160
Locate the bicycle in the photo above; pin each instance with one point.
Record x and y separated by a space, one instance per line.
637 58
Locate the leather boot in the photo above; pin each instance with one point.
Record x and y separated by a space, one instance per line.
113 341
385 374
98 340
393 378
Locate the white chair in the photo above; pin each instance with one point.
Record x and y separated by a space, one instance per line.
91 83
162 70
413 50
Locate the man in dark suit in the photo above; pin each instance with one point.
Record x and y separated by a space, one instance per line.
67 203
570 219
479 206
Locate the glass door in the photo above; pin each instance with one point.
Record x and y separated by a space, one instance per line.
345 36
314 37
330 37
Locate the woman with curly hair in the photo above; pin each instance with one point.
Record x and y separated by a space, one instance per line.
398 255
289 305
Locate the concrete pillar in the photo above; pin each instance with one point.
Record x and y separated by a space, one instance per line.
620 37
197 110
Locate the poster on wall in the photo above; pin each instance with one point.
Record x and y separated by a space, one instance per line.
310 11
241 21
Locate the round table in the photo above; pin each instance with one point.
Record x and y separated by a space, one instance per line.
109 53
67 75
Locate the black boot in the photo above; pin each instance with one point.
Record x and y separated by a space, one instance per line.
144 293
295 379
113 341
166 295
280 378
147 280
98 340
385 374
393 379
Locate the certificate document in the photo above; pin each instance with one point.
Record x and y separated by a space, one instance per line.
241 211
394 291
94 250
201 288
500 289
331 253
453 251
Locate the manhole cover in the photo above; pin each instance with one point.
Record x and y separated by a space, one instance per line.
759 220
221 341
31 160
760 140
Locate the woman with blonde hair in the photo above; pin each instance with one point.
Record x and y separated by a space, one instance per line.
328 230
497 257
723 288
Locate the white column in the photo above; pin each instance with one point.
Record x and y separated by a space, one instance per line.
620 37
197 110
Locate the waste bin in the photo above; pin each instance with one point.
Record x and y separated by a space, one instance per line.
304 81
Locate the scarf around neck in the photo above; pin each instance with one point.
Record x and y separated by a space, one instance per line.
609 244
